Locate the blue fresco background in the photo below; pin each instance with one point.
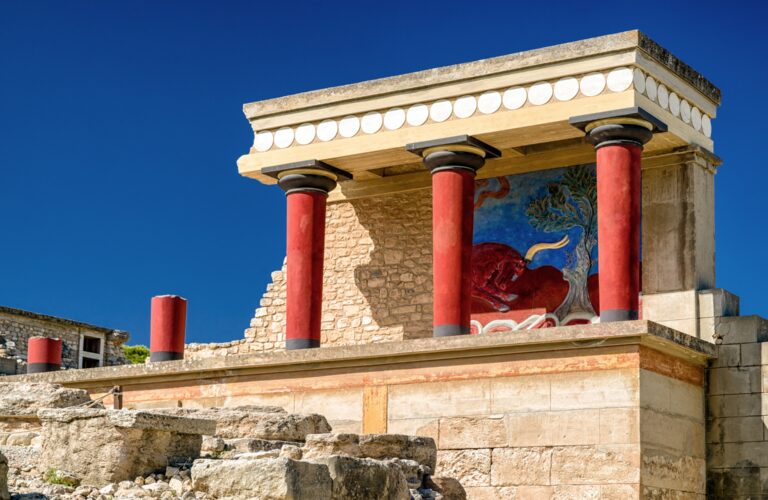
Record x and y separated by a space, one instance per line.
505 221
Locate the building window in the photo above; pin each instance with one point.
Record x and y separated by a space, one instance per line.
91 350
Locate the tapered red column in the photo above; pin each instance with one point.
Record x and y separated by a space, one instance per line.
619 143
43 354
453 163
168 327
306 186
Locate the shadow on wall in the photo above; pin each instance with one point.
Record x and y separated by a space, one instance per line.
397 280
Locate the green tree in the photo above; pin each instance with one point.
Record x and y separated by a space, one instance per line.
136 354
568 204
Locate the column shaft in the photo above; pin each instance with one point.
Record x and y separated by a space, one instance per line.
618 221
305 248
168 326
43 354
453 193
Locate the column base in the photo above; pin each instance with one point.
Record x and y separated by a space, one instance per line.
291 344
613 315
165 356
450 330
42 367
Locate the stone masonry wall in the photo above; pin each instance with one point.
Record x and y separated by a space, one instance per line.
16 327
378 278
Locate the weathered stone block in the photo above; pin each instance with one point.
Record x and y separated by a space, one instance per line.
552 428
266 479
365 478
104 446
23 399
469 467
619 425
662 470
520 394
472 432
377 446
596 464
674 434
450 488
440 399
596 389
427 427
516 466
260 422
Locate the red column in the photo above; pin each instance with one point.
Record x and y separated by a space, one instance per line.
618 229
167 328
453 192
306 185
304 252
619 143
453 162
43 354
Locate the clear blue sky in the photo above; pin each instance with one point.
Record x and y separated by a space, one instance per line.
120 125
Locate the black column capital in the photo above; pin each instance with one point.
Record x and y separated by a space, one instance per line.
304 176
622 126
461 152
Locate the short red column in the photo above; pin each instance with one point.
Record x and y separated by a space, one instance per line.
306 186
453 162
43 354
168 326
619 143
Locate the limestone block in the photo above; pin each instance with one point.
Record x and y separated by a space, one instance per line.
259 422
718 302
23 399
751 354
735 429
553 428
516 466
734 380
440 399
742 330
495 493
662 470
596 464
469 467
520 394
427 427
342 408
664 307
577 492
248 445
674 434
4 478
472 432
669 395
104 446
595 389
267 479
728 355
619 491
619 425
377 446
364 478
734 405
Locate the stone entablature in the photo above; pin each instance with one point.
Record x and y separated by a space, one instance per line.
18 326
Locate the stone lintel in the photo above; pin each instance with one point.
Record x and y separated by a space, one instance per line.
133 419
548 340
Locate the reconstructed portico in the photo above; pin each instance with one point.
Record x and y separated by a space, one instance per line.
619 101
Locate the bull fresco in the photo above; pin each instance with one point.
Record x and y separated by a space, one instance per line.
534 260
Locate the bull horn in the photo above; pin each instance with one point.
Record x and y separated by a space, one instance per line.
546 246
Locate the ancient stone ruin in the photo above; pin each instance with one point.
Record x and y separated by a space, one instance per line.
58 443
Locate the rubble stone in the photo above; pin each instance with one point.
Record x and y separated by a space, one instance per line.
261 422
24 399
378 446
365 478
268 479
4 478
104 446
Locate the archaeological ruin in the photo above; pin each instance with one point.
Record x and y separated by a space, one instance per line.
499 283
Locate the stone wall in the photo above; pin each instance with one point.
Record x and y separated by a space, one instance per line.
17 326
377 284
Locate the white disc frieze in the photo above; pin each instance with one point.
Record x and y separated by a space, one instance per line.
540 93
327 130
349 126
371 122
685 111
696 119
706 126
566 89
263 141
514 98
674 104
465 106
441 110
489 102
284 137
639 80
305 133
394 118
619 79
663 98
592 84
417 115
651 88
